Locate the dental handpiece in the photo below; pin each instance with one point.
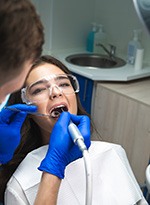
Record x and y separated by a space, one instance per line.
79 140
76 136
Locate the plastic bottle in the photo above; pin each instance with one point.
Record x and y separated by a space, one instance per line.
138 65
100 38
133 45
90 38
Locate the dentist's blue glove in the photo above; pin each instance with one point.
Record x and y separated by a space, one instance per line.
10 126
62 149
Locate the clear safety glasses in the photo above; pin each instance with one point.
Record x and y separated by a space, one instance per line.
44 88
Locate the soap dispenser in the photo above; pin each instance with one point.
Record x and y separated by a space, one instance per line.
133 45
90 38
100 38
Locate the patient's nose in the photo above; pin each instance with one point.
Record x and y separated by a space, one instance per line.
55 92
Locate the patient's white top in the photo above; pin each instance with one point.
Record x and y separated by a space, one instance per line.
113 179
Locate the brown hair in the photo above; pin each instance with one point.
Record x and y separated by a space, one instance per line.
31 136
21 35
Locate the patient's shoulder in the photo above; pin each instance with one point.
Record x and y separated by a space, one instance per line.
104 145
98 147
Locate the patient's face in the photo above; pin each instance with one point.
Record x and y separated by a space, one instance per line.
55 100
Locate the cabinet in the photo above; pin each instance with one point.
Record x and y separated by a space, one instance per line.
122 115
85 94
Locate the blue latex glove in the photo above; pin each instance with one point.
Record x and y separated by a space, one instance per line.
62 149
10 126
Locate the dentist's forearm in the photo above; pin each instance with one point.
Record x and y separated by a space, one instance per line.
48 190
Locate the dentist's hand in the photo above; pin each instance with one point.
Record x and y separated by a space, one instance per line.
10 127
62 149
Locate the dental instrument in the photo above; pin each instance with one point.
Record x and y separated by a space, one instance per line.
79 140
32 113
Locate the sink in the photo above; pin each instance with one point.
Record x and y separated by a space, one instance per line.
95 60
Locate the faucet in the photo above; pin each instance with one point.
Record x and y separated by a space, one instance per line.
111 52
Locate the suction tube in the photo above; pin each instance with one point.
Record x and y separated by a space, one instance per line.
79 140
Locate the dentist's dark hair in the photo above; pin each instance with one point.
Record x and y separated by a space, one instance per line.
31 136
21 36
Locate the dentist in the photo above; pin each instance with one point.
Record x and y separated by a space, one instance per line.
21 40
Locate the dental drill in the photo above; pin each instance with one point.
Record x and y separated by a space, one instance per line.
79 141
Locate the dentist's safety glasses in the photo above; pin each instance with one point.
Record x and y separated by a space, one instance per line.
45 87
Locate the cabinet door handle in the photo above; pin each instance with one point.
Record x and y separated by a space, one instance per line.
85 88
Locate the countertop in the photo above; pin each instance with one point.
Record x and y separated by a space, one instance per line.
138 90
124 73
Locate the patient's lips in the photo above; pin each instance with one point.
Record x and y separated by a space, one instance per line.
56 111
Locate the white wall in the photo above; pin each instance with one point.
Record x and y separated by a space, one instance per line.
45 10
71 22
66 22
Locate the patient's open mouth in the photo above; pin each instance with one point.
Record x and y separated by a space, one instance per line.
56 111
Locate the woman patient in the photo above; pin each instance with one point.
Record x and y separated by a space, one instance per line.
52 88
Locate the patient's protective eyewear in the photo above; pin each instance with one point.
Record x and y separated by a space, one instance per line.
42 89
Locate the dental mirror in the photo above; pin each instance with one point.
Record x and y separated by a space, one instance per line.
143 10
